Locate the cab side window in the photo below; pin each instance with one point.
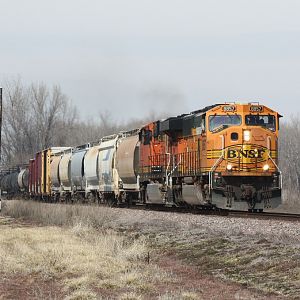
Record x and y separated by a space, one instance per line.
199 124
203 123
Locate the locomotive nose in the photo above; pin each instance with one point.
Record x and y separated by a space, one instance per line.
246 149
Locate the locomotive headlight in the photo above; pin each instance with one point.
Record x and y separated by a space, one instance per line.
229 167
247 135
266 167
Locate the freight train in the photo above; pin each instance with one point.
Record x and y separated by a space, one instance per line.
223 156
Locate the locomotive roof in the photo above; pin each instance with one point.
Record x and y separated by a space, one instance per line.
205 109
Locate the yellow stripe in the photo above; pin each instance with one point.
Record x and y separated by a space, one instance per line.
213 154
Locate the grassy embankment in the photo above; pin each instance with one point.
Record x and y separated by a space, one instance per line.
92 251
69 249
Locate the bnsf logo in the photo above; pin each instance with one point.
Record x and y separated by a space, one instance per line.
233 153
246 154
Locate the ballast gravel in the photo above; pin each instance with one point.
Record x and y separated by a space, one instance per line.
277 231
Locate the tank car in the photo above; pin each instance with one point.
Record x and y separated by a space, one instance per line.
14 181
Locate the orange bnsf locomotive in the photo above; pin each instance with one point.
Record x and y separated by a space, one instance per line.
223 156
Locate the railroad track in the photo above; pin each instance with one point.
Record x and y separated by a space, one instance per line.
225 213
208 211
265 215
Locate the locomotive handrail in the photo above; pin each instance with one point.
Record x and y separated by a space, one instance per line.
212 170
171 172
167 176
216 165
276 166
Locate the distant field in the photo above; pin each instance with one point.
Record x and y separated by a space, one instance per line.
50 251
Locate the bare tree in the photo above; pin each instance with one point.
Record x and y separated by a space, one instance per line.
17 137
289 158
33 119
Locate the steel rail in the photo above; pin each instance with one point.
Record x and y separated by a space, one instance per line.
264 215
192 210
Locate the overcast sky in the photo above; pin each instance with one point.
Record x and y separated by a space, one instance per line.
134 56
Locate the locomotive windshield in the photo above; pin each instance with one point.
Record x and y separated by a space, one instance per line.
219 122
267 121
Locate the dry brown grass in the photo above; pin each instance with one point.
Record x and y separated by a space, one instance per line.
83 256
77 248
80 257
89 258
58 214
181 296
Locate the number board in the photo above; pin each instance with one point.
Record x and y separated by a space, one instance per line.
229 108
256 108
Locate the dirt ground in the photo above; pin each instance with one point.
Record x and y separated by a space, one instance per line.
196 285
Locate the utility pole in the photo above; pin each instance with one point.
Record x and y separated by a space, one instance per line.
0 137
0 120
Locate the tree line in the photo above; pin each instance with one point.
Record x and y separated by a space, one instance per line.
289 158
36 117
